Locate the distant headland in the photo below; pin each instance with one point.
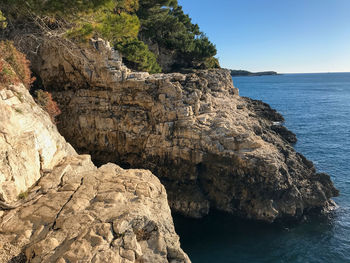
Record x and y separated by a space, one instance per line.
239 73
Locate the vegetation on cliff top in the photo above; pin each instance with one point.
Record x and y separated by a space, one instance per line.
129 24
14 67
3 22
164 23
236 73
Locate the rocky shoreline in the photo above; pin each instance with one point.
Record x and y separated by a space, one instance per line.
209 147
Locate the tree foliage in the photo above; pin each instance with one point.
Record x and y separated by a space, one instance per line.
125 23
137 55
54 7
3 22
113 20
163 22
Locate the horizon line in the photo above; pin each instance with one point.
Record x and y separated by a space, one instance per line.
322 72
315 72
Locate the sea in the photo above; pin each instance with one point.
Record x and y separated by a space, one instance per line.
316 108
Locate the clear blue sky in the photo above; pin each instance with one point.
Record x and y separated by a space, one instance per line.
282 35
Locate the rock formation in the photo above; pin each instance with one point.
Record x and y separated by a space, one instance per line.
56 206
210 147
30 144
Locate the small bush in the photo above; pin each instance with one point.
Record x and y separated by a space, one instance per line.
23 195
14 67
82 33
7 76
44 99
136 55
3 22
210 63
18 110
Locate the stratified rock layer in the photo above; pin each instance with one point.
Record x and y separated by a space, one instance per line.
58 207
209 146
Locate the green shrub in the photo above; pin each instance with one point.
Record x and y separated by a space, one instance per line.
116 27
54 8
211 62
164 22
81 33
137 56
3 22
23 195
7 75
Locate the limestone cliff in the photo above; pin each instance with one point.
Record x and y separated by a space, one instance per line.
30 144
56 206
210 147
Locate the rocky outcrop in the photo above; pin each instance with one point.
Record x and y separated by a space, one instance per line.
78 213
210 147
94 64
29 144
57 206
263 110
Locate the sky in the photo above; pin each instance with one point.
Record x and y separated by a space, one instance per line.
287 36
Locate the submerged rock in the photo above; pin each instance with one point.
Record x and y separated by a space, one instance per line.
210 147
56 206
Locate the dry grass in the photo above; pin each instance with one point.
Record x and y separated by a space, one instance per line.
14 67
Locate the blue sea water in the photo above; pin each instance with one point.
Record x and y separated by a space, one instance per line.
317 109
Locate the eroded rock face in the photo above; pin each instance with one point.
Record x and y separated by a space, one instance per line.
78 213
209 146
29 144
94 64
70 211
